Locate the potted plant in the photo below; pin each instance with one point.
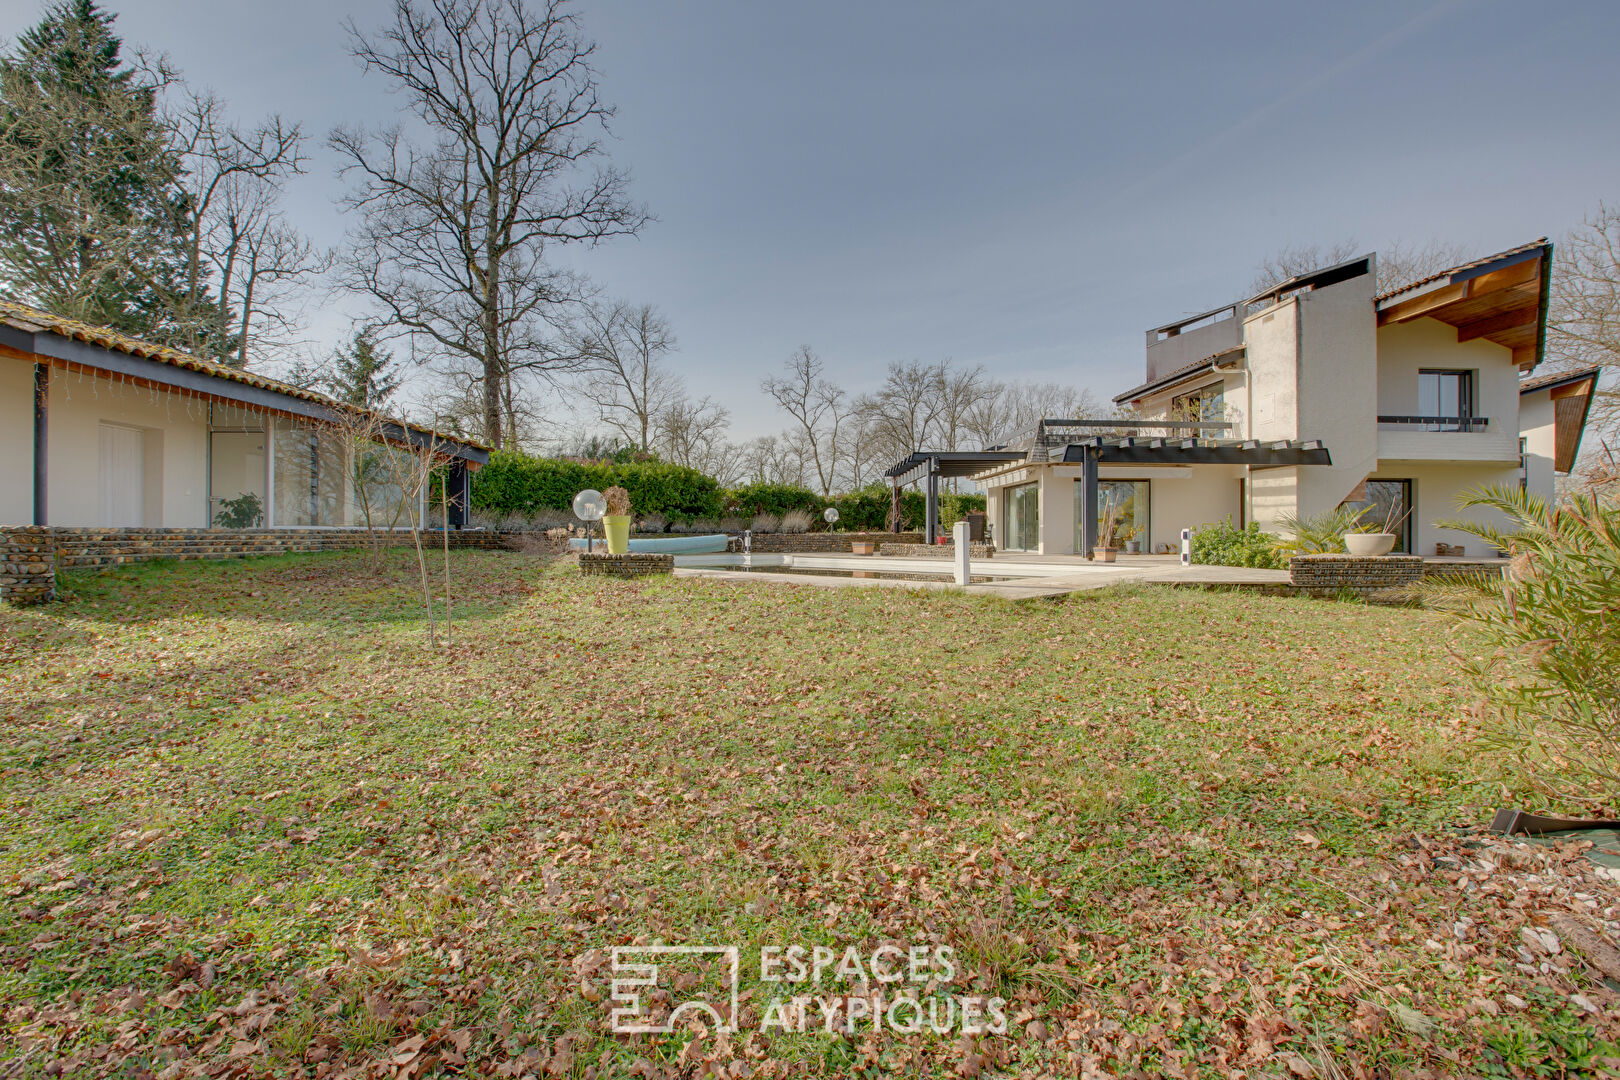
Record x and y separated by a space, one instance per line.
616 522
1372 539
1106 528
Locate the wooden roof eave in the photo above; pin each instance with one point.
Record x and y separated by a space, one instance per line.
1506 306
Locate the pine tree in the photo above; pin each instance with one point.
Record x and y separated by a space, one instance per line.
87 178
362 374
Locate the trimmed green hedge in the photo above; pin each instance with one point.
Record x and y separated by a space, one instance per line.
775 499
514 483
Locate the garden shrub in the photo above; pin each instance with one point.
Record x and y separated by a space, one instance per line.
1227 545
1321 534
514 482
796 521
775 499
1549 678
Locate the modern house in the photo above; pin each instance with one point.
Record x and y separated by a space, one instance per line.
99 429
1315 393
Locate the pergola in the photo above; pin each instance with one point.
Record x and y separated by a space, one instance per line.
1170 450
1089 452
929 465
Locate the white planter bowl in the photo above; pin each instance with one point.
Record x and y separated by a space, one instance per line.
1369 543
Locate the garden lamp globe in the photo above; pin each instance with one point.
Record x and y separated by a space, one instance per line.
830 515
589 506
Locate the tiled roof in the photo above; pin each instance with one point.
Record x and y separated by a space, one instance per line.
1170 377
1462 268
33 320
1542 382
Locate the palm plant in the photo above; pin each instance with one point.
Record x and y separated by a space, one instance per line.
1551 681
1320 534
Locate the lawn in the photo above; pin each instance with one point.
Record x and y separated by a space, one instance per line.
255 828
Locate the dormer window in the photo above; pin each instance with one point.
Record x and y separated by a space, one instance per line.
1206 405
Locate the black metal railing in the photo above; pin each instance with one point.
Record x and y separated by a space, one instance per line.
1439 423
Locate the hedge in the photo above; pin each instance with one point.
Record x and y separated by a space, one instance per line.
775 499
515 483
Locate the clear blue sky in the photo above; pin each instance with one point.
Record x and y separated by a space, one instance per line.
1027 185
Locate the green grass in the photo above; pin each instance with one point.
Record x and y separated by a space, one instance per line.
249 814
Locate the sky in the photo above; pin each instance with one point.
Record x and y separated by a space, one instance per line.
1027 185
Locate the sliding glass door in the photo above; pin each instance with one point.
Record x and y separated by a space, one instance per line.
1022 506
1128 502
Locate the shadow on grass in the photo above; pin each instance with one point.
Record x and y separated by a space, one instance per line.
332 588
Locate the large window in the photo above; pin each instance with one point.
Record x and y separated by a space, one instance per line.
1389 502
1206 405
310 476
1129 500
1022 506
1448 396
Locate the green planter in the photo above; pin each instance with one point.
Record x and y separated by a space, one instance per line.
617 528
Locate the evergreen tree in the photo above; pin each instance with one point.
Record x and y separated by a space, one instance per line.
88 178
362 374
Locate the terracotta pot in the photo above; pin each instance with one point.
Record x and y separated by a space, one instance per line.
1369 543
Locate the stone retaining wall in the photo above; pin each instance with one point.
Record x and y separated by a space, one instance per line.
1359 573
27 565
826 543
935 551
632 564
30 556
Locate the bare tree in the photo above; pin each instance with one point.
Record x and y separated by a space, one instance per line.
230 178
453 234
624 346
693 434
901 414
1583 326
263 263
768 460
817 407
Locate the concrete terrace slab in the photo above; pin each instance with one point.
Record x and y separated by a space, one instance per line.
1027 576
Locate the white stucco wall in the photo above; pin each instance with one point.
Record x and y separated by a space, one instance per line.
16 441
1407 348
1270 338
1338 389
175 477
1540 449
1435 488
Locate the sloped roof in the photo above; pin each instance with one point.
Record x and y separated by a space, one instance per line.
1557 378
1501 298
1180 374
32 320
1463 268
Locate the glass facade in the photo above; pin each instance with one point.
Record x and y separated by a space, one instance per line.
1021 507
1130 501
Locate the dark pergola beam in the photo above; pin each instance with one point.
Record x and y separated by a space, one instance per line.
1088 500
42 390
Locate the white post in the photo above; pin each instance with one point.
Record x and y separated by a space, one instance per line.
962 533
1186 547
